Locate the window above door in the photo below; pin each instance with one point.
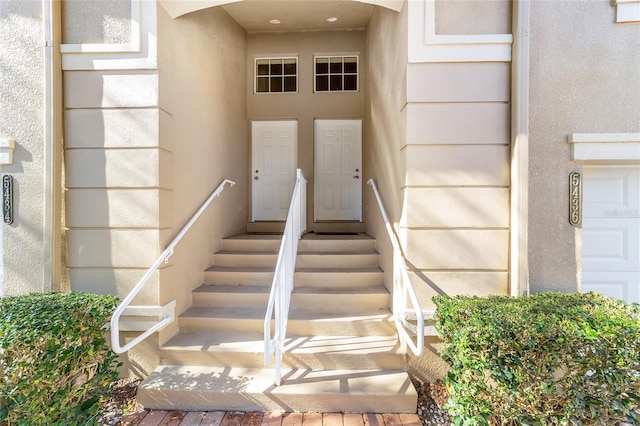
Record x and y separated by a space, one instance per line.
276 75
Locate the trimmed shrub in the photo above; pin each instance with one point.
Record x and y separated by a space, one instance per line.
546 359
55 364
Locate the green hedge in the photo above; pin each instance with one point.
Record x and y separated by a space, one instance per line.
547 359
55 364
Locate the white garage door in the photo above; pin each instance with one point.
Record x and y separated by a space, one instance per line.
611 231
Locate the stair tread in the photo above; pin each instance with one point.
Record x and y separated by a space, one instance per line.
295 381
254 342
340 270
261 289
263 269
238 269
303 253
294 314
265 236
249 253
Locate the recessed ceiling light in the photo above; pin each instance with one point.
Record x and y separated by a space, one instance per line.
332 19
275 22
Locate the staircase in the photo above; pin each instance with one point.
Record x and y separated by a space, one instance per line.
342 352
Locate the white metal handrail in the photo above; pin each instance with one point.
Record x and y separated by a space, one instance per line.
402 287
167 318
282 285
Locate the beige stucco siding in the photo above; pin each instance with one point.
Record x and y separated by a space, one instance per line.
385 124
584 79
438 207
131 127
456 196
117 180
202 78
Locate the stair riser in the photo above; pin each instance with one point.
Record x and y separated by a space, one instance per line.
328 327
238 400
251 245
336 245
298 301
238 278
255 260
245 260
339 301
369 260
316 279
290 360
231 300
338 279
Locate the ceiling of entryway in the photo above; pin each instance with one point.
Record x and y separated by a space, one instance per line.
299 15
294 15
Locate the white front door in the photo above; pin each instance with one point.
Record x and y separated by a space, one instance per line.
611 231
338 170
274 153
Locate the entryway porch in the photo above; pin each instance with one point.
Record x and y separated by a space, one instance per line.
341 351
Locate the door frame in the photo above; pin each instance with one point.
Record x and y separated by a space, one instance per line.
316 192
252 173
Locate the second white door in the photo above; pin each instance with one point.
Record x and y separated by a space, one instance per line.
274 152
338 170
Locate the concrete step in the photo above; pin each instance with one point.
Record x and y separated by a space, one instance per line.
222 275
304 322
309 242
336 243
250 259
338 277
321 277
318 352
226 296
337 259
309 259
172 387
252 242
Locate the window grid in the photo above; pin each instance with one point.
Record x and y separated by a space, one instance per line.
336 73
276 75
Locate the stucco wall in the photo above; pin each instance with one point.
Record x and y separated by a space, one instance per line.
22 119
306 105
385 125
584 79
202 75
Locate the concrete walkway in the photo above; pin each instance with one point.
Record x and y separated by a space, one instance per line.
220 418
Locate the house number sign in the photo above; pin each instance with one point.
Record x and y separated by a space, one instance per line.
575 198
7 199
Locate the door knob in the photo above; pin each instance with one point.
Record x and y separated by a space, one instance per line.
356 177
256 178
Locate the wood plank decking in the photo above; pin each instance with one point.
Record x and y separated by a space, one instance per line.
221 418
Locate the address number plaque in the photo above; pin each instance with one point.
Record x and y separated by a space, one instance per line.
575 198
7 199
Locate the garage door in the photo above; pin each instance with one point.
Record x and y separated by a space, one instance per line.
611 231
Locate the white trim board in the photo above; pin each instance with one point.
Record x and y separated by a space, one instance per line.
605 146
425 45
627 10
